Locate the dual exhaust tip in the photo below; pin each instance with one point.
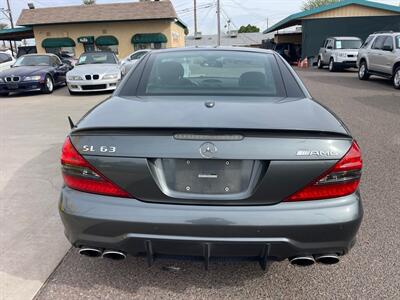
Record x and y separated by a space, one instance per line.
110 254
303 261
308 260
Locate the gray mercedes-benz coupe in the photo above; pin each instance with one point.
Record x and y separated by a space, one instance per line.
212 152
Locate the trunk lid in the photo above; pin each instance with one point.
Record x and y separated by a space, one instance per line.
236 153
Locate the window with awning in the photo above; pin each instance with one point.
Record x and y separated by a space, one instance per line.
106 40
58 42
148 38
107 43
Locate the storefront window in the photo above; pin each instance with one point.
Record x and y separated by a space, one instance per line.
150 46
112 48
70 51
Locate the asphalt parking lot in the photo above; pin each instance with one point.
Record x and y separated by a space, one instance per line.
33 128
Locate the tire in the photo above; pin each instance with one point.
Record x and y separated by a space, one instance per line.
48 87
4 94
396 79
363 71
332 67
320 64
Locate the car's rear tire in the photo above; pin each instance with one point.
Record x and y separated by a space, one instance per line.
48 87
4 94
396 79
363 71
332 67
320 65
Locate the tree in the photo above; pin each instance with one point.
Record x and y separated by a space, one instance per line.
89 2
249 28
310 4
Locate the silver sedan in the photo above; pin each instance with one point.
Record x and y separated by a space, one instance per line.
95 71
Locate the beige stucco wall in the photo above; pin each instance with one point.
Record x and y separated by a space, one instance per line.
352 11
123 31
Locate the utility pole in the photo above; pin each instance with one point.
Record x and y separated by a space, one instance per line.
195 17
219 23
10 14
11 22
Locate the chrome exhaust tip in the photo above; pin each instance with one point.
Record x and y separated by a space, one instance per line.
327 259
302 261
114 255
90 252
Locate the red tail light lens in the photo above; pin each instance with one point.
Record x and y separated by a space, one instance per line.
78 174
341 180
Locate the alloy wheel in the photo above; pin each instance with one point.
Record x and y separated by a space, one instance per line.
397 79
49 84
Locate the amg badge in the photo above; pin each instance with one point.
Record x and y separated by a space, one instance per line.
317 153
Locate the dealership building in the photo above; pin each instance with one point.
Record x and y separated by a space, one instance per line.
119 27
357 18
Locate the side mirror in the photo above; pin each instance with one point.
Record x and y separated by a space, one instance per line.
387 48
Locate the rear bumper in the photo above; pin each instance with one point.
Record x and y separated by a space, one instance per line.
287 229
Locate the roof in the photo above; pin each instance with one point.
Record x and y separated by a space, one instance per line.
296 18
147 10
345 38
242 39
16 34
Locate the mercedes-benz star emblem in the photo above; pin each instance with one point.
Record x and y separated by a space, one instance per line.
208 150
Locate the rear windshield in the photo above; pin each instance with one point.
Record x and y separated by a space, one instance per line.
97 58
348 44
212 72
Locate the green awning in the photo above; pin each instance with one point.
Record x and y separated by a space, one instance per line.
106 40
58 42
146 38
86 39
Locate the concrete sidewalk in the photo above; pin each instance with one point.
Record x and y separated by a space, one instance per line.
32 130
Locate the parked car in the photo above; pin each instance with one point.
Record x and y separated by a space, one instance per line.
94 71
339 53
289 51
191 158
128 62
6 61
34 72
380 56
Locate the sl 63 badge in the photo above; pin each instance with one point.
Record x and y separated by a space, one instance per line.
102 149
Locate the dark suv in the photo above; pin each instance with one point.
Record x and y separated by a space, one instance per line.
380 55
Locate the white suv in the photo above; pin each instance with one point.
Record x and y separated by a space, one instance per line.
380 55
339 53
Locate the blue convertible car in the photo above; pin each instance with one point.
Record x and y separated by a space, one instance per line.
34 72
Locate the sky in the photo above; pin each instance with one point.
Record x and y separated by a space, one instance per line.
239 12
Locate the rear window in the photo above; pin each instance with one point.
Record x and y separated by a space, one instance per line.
398 42
212 72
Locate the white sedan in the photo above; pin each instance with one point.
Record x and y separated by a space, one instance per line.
94 72
6 61
128 62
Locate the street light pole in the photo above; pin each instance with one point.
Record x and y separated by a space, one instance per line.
219 23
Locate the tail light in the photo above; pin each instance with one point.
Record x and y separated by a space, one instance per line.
341 180
78 174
